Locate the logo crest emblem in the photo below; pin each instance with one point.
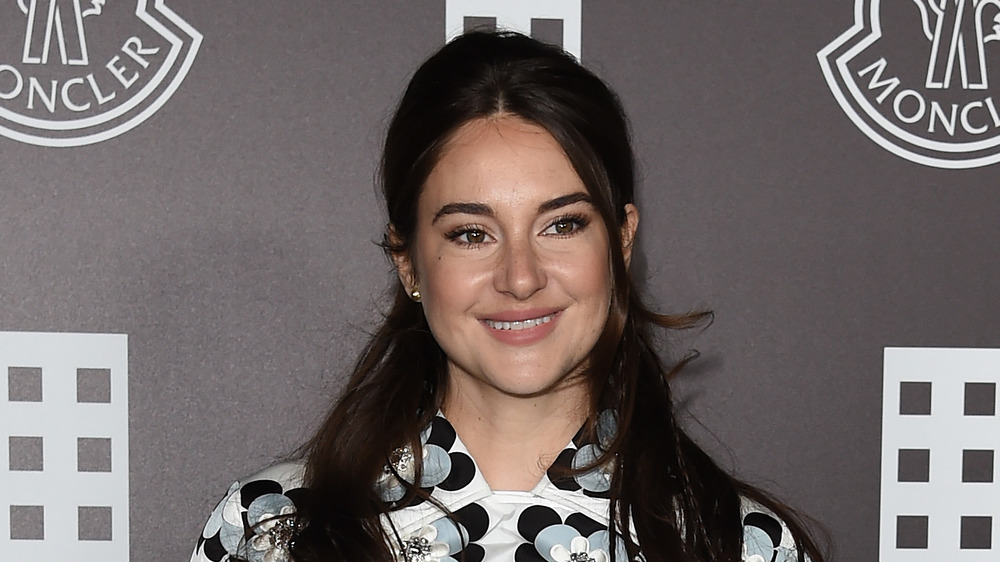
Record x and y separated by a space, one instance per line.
923 79
78 72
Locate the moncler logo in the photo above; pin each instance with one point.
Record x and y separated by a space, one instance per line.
922 79
76 72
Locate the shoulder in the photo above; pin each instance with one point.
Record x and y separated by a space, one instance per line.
237 519
766 536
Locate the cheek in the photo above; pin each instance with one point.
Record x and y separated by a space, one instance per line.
441 273
588 274
449 286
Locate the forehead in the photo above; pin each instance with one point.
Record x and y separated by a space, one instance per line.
500 159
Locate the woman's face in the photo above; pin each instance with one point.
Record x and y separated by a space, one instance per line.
511 259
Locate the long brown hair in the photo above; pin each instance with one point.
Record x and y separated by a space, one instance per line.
682 505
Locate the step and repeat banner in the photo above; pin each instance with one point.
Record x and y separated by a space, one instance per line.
188 263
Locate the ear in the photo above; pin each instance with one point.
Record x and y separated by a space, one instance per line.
402 261
629 229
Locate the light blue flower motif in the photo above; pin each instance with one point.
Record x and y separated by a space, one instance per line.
216 521
758 546
436 464
579 551
553 535
602 540
785 554
563 543
607 427
227 520
436 542
271 516
598 479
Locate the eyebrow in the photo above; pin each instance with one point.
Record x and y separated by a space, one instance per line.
564 201
486 210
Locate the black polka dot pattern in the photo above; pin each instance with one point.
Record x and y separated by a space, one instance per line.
766 523
557 474
229 531
534 519
475 519
585 525
496 526
527 553
442 433
253 490
213 549
560 472
463 470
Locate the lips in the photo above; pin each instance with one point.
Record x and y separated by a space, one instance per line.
518 324
523 327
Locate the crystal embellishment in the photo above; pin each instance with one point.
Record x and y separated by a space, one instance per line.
282 533
417 549
578 551
402 461
425 546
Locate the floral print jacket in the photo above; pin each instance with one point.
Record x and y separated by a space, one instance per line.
560 520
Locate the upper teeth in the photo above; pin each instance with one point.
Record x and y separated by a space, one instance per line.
518 324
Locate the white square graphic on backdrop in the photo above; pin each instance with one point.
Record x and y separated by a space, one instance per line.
517 15
940 441
64 490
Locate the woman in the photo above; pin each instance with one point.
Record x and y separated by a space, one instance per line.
512 406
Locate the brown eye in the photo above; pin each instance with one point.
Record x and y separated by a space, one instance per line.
563 227
469 235
475 237
568 225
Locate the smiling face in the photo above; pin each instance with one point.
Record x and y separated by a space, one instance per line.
512 261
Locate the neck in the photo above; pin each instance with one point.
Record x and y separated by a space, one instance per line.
514 439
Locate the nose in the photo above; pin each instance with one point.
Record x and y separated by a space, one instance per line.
521 272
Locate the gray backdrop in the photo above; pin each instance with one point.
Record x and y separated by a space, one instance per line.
231 237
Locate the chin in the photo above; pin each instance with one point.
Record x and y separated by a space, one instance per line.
534 386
